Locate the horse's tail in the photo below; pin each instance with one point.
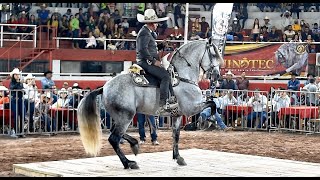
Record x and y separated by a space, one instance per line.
89 123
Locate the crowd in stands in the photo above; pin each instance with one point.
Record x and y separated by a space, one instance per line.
109 23
291 30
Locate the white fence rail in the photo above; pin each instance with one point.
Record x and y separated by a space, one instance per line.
2 32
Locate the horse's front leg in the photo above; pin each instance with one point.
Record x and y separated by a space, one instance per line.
176 121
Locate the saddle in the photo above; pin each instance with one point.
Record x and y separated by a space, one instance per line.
141 78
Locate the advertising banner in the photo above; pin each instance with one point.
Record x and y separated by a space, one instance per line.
265 59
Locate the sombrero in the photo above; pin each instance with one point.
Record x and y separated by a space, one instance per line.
229 73
150 16
29 76
62 90
15 71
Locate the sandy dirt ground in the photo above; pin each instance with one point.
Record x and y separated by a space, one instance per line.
291 146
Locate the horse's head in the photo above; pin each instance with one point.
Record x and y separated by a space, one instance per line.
212 60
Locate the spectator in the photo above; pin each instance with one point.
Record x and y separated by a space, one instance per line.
312 88
141 8
295 9
65 85
23 20
163 24
294 85
13 20
286 20
30 98
169 12
193 35
289 33
197 26
125 25
92 14
91 42
305 33
264 34
63 100
43 15
311 47
309 76
259 104
296 26
116 17
64 27
178 14
229 83
4 99
47 82
280 100
229 99
24 7
68 14
296 38
100 41
82 19
57 14
152 126
261 6
53 23
76 96
17 107
243 13
75 30
235 30
242 82
255 31
32 21
273 36
205 33
267 24
42 112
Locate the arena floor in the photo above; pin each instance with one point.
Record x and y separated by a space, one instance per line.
290 146
159 164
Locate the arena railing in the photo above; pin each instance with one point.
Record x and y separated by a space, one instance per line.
3 32
301 114
47 118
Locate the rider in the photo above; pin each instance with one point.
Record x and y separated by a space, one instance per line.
148 58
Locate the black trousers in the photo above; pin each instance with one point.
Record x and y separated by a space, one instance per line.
161 74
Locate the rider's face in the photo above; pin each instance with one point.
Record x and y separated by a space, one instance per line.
154 26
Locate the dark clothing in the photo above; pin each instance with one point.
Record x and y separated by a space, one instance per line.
146 47
147 50
18 111
229 85
242 83
273 37
17 87
159 73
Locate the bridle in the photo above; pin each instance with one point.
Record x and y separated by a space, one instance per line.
212 66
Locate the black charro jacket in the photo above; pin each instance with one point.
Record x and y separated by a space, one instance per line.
146 47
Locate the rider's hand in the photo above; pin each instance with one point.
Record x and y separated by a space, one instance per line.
157 63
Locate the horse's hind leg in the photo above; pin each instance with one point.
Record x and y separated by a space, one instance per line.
175 134
117 132
133 143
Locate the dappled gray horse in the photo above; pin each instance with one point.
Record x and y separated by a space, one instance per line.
123 99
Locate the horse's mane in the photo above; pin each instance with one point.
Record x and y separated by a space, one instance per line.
187 46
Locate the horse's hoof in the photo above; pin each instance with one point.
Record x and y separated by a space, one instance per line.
181 161
133 165
135 149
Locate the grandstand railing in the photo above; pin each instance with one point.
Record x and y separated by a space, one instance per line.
32 33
